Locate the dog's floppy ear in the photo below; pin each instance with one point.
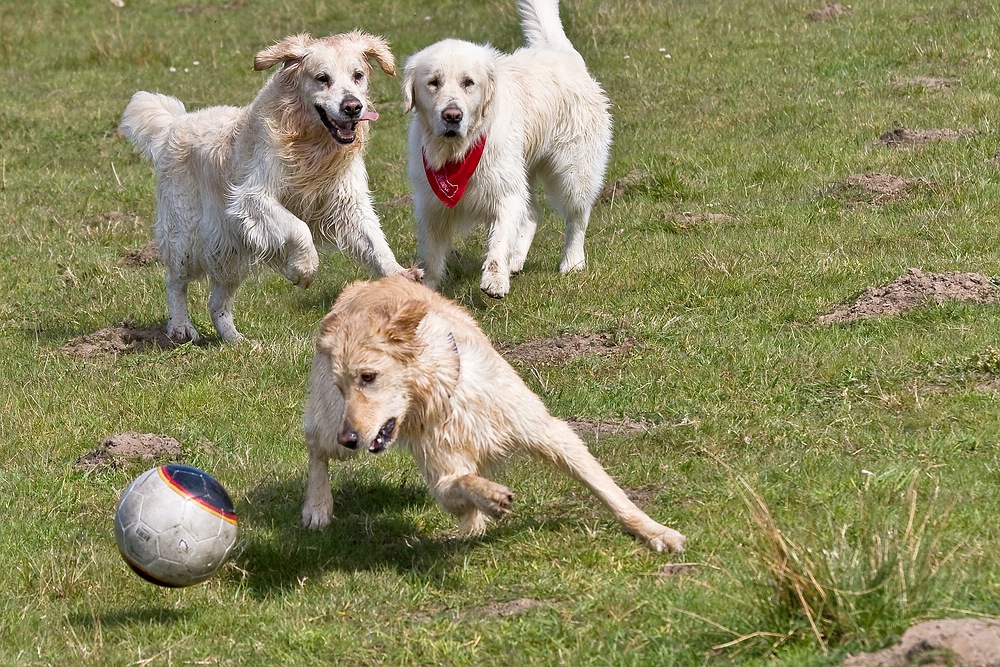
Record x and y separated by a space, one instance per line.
401 327
376 47
329 323
489 88
290 49
409 75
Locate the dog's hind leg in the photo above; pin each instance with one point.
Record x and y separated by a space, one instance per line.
180 328
525 235
574 258
564 448
222 296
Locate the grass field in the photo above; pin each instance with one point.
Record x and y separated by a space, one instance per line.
837 482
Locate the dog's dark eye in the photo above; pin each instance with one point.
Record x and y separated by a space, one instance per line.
359 77
434 83
323 78
368 377
468 83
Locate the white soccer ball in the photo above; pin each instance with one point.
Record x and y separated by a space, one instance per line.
175 525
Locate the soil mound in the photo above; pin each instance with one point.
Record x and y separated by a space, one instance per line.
913 290
959 641
118 451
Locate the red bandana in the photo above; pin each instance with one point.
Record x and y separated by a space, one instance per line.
449 182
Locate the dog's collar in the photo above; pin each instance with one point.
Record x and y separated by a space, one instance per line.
449 182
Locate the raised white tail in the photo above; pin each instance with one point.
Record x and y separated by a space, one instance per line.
540 23
147 120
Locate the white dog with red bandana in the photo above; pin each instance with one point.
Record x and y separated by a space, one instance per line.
486 127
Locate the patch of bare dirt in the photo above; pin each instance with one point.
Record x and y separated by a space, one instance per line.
926 82
676 569
878 188
562 348
834 10
958 641
592 429
148 254
118 451
505 609
688 220
642 495
915 289
902 137
117 340
620 186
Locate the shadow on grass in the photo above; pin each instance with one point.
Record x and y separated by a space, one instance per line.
371 530
140 616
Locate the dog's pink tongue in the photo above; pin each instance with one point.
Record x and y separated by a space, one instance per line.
370 115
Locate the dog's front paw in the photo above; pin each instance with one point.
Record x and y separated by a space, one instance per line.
414 273
183 332
232 336
498 501
301 267
316 516
666 540
572 263
495 283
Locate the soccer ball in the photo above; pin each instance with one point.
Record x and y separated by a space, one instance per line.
175 525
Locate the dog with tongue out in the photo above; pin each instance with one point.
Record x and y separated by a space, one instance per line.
263 184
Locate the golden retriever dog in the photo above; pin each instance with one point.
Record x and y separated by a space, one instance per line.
487 127
237 186
397 362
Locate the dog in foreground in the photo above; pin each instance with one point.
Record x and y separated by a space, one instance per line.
395 361
241 185
486 127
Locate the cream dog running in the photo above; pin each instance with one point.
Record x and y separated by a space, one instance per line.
396 361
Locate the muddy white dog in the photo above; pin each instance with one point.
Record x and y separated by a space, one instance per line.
396 361
240 185
486 127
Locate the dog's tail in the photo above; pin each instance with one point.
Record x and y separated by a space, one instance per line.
147 120
540 23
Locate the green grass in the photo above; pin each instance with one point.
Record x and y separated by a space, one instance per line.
836 483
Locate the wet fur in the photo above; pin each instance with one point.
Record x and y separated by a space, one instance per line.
546 121
395 361
241 185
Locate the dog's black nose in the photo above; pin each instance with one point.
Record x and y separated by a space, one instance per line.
348 438
351 107
452 115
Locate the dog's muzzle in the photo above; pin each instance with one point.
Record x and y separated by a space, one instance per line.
451 119
345 131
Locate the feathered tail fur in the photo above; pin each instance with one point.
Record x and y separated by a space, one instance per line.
147 120
540 23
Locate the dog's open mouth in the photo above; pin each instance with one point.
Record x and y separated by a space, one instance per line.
343 131
384 437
